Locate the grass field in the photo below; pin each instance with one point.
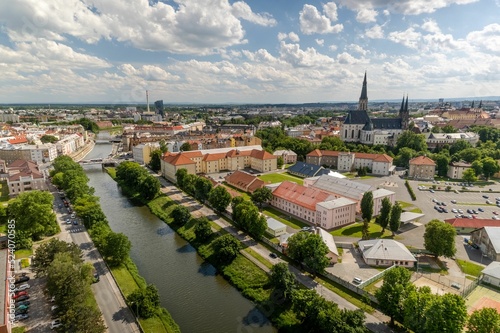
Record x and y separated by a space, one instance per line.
3 228
23 253
281 177
469 267
284 218
354 230
404 204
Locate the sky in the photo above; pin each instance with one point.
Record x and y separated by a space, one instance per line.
253 51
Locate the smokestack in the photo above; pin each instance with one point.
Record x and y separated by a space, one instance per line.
147 99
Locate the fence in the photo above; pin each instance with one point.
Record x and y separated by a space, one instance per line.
350 286
376 277
470 288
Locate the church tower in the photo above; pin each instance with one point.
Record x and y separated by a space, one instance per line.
363 99
404 114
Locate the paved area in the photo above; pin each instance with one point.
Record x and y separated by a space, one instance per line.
483 296
374 322
352 266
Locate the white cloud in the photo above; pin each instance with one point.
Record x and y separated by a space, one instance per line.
293 54
313 22
386 12
486 39
330 10
346 59
366 15
190 27
431 26
333 47
405 7
375 32
357 48
408 38
242 10
291 35
320 42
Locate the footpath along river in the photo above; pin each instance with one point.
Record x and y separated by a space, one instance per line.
198 299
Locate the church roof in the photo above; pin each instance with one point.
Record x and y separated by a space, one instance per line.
368 126
357 117
386 123
364 90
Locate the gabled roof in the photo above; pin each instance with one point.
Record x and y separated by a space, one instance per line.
493 269
18 139
494 236
386 123
422 160
245 180
23 168
328 240
374 157
343 187
263 155
385 249
178 159
307 170
472 223
306 197
357 117
274 224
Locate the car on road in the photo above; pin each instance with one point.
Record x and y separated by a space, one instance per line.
75 222
432 191
21 317
495 213
22 287
22 279
22 298
480 209
485 196
273 255
453 201
55 324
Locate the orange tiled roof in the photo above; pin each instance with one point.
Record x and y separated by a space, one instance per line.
214 157
245 180
18 139
262 155
306 197
178 159
473 223
422 160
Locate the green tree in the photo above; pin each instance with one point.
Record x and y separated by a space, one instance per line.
33 214
180 177
262 195
226 248
65 163
449 129
477 166
309 248
180 215
283 281
439 238
149 187
469 155
485 320
490 167
203 229
442 162
469 175
280 162
367 206
145 302
415 306
385 214
116 248
458 146
394 291
235 202
404 156
247 216
186 146
46 252
155 162
48 139
447 313
163 146
395 219
412 140
203 186
219 198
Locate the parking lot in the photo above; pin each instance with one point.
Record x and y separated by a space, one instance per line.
352 266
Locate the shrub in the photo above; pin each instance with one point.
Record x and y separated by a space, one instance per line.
410 191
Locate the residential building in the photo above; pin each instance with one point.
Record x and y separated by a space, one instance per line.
171 163
222 159
359 127
70 144
422 167
488 240
265 124
289 157
436 140
42 153
24 176
466 226
244 181
456 169
491 274
304 170
345 188
314 206
327 238
142 152
385 253
378 164
275 227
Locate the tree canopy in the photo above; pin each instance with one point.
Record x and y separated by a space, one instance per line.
439 238
219 198
309 248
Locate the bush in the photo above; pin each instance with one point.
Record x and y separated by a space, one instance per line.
410 191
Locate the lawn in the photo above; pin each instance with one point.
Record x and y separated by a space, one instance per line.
260 258
281 177
3 228
24 253
354 230
284 218
469 267
111 171
124 279
404 204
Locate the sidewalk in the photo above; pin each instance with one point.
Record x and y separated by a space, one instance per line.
375 322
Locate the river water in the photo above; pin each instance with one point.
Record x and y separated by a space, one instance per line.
198 299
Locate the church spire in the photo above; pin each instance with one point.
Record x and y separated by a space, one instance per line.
363 99
472 106
480 104
404 114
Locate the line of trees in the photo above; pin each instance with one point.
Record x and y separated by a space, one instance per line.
136 178
389 215
422 311
247 216
68 281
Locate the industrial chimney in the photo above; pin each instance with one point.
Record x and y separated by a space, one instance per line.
147 100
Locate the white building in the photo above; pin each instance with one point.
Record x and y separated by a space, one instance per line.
327 238
142 152
275 227
24 176
42 153
456 169
335 213
386 252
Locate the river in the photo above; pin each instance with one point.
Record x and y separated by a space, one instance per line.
198 299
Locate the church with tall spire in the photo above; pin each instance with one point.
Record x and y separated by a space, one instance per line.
359 127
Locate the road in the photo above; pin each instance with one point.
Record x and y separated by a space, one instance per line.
117 316
376 323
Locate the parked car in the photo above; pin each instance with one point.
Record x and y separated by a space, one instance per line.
21 317
75 222
469 211
494 217
273 255
22 287
22 307
56 323
23 303
454 210
432 191
474 211
22 279
19 294
480 209
444 210
443 204
453 201
460 211
485 196
54 308
21 311
495 213
488 202
22 298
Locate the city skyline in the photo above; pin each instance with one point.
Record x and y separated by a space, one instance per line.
247 52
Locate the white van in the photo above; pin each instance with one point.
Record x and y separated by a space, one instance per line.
357 280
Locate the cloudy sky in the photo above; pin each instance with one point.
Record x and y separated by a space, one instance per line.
253 51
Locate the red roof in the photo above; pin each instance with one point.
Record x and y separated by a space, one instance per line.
262 155
306 197
422 160
18 139
374 157
473 223
178 159
245 180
